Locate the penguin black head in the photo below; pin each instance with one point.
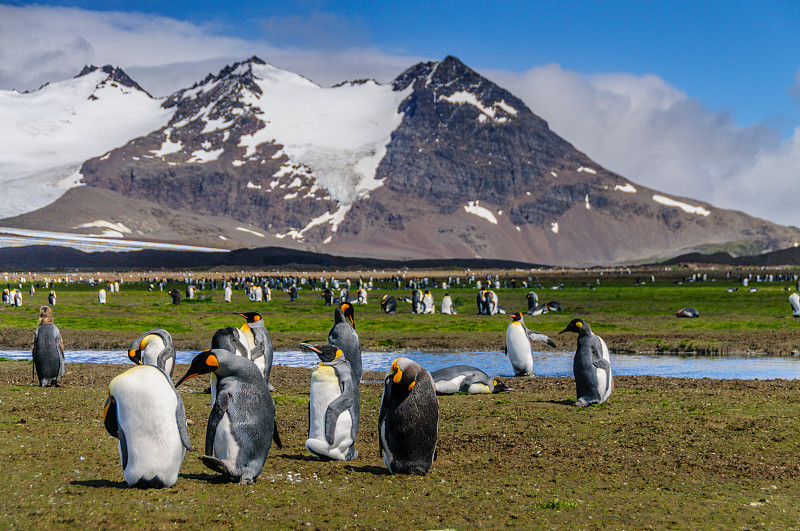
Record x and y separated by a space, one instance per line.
499 387
251 317
516 316
325 352
404 374
203 363
578 326
347 312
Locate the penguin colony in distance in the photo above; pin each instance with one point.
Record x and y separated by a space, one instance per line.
518 345
408 421
48 350
154 348
591 366
241 426
333 413
465 379
146 414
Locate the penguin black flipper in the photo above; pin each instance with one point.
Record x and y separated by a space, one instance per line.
110 417
387 398
602 364
341 404
123 446
180 418
62 366
217 412
538 336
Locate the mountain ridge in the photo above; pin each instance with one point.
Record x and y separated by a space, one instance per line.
439 163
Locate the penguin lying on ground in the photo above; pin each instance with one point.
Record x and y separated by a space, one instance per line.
518 345
48 350
591 365
333 417
154 348
241 426
688 312
408 421
389 304
465 379
146 414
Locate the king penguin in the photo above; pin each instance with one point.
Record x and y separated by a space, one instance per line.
447 305
518 345
154 348
48 350
465 379
389 304
343 335
408 421
241 426
51 298
146 414
262 352
333 417
794 300
428 305
591 366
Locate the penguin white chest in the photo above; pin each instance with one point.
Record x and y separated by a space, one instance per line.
518 347
451 386
225 447
325 388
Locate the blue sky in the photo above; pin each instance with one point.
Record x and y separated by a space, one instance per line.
700 99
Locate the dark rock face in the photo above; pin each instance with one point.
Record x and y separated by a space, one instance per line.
228 184
462 140
115 74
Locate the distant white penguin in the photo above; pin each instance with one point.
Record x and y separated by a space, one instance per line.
794 300
228 293
101 296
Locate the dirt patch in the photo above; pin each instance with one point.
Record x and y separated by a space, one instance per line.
664 452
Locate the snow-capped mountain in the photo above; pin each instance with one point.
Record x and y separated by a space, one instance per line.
46 135
440 163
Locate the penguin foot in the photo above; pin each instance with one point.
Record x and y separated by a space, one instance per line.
214 464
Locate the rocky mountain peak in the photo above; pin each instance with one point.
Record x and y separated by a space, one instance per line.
115 74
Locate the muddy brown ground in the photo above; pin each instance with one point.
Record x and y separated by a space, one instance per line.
662 453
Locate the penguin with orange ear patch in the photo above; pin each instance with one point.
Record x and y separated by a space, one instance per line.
591 366
241 426
408 421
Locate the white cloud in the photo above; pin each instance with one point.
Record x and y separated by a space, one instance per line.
659 137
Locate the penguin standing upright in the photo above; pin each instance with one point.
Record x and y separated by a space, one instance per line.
228 294
48 350
428 306
416 301
155 348
293 293
518 345
146 414
241 426
361 296
333 417
794 300
408 421
591 366
327 294
343 335
101 296
262 352
389 304
447 305
17 298
176 296
51 298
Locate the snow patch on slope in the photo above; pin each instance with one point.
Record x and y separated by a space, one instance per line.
335 219
683 206
474 208
340 133
47 134
627 188
463 97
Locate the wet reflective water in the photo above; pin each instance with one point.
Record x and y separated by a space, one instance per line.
496 363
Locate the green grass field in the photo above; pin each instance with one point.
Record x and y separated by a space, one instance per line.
632 318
